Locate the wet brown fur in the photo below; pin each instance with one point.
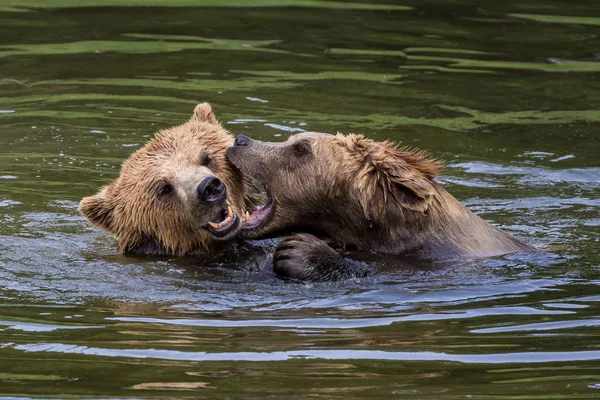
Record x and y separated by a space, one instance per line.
143 221
372 195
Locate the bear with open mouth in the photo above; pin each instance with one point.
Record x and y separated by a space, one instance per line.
355 191
177 195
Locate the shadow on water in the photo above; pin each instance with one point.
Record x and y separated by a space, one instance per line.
506 93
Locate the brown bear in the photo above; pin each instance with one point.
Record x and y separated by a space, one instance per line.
371 195
176 195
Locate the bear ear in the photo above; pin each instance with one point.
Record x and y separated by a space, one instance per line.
410 194
407 180
203 113
98 209
392 175
414 194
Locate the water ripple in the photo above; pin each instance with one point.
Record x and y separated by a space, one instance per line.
346 354
543 326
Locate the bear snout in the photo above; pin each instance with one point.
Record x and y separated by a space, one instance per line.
241 140
211 189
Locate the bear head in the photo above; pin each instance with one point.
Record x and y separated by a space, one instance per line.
344 186
176 195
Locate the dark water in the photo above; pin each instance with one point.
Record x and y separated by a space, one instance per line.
506 92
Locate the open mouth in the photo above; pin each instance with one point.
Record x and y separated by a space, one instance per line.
262 215
227 222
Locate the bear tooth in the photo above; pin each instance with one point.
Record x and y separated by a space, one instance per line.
213 224
248 216
227 201
229 212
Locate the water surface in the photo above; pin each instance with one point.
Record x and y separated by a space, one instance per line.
506 93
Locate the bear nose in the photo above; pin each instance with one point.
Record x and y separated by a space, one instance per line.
241 140
210 190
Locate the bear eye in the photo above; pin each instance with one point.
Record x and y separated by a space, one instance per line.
164 189
301 148
205 159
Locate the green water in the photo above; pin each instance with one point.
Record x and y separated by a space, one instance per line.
507 93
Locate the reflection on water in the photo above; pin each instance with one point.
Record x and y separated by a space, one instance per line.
505 93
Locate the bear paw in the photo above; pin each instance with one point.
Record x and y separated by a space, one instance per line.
304 257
